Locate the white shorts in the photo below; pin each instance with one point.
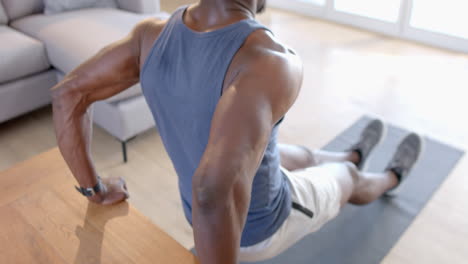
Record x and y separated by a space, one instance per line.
315 189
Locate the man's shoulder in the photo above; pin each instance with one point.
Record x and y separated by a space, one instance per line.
263 51
263 54
152 23
263 43
150 28
145 34
271 68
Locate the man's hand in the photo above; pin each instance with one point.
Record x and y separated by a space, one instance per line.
114 190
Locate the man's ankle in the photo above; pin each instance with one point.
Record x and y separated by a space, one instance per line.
355 157
394 177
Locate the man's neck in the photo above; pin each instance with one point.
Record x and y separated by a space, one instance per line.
228 9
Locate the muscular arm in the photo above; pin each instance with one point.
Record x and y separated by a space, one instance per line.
260 95
114 69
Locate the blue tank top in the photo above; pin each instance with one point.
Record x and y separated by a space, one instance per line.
182 80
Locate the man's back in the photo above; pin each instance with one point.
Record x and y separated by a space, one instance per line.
183 79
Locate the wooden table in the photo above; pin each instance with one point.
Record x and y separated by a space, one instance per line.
44 220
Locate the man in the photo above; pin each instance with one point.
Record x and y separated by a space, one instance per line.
219 84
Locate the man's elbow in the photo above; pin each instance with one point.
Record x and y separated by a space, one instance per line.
57 94
66 100
211 197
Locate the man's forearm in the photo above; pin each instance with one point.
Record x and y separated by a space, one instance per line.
217 233
73 125
219 212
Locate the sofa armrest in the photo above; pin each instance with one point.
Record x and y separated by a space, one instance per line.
139 6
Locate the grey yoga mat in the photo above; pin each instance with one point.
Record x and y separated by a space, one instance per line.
364 235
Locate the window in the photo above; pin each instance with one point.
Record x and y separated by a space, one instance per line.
434 22
382 10
448 17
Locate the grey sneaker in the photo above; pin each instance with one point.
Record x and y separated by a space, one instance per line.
406 156
371 136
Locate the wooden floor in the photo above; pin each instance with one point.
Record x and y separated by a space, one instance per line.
348 73
43 222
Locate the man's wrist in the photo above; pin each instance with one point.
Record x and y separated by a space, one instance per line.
99 196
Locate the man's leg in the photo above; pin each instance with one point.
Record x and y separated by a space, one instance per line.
294 157
323 189
357 187
361 188
298 157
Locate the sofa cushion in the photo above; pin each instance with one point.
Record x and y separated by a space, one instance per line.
73 37
3 16
25 94
139 6
20 8
58 6
22 56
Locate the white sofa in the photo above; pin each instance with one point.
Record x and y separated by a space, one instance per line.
40 49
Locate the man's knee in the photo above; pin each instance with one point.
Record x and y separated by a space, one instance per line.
347 176
353 172
309 155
